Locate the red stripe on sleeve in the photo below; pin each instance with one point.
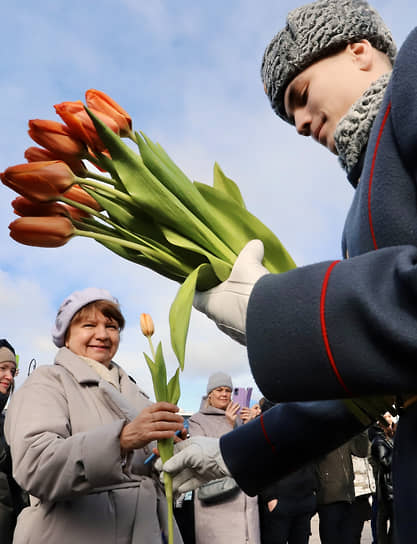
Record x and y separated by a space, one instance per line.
261 419
324 328
381 130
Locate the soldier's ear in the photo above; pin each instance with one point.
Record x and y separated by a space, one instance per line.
362 54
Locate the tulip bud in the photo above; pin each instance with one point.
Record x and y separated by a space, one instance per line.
26 208
42 231
36 154
81 125
40 181
78 194
146 324
56 137
101 102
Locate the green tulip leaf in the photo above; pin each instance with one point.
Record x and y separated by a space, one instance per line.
222 183
173 387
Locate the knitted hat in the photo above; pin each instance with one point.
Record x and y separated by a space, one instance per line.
70 307
218 379
313 32
7 356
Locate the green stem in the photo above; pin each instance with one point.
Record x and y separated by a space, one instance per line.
106 238
99 177
111 192
152 348
170 504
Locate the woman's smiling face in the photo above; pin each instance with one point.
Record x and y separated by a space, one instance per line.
94 336
7 374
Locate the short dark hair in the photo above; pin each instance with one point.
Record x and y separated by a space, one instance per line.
106 307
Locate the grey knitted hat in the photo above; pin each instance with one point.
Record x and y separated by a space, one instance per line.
71 305
218 379
313 32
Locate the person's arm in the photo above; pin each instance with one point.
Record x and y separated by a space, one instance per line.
285 438
48 460
333 330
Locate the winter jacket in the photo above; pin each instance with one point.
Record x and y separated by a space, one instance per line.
63 428
233 520
12 498
336 471
382 448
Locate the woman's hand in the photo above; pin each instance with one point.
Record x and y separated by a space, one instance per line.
155 422
246 414
231 412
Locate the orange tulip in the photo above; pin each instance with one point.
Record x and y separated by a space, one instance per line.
35 154
56 137
40 181
26 208
146 324
78 194
42 231
100 101
80 124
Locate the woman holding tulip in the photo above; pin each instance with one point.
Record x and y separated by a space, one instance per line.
81 452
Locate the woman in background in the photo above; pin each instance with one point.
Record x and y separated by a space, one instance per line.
12 498
235 519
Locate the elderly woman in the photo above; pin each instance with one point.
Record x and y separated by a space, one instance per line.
80 431
234 519
12 499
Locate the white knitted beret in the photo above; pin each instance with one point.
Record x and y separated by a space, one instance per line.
71 305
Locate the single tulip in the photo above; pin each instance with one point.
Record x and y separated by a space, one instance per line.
36 154
78 194
99 101
41 181
56 137
80 124
42 231
146 325
26 208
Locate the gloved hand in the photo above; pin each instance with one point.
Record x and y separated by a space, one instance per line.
227 303
195 461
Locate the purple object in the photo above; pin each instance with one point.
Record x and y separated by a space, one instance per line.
242 396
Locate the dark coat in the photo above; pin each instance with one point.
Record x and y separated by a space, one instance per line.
381 450
336 473
346 328
12 498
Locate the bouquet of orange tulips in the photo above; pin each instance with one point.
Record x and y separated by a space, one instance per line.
140 205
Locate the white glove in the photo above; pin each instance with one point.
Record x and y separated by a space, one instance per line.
227 303
196 461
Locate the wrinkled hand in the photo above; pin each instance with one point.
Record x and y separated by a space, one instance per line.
195 461
227 303
155 422
231 412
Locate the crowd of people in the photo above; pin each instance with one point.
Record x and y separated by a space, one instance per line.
79 430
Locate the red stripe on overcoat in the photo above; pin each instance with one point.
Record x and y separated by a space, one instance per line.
371 176
324 327
261 419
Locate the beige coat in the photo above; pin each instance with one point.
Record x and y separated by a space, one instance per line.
63 427
236 520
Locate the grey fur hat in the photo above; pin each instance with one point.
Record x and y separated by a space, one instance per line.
313 32
218 379
71 305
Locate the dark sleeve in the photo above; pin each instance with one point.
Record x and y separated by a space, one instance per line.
333 330
285 438
382 453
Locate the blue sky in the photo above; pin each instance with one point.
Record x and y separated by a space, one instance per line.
188 73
